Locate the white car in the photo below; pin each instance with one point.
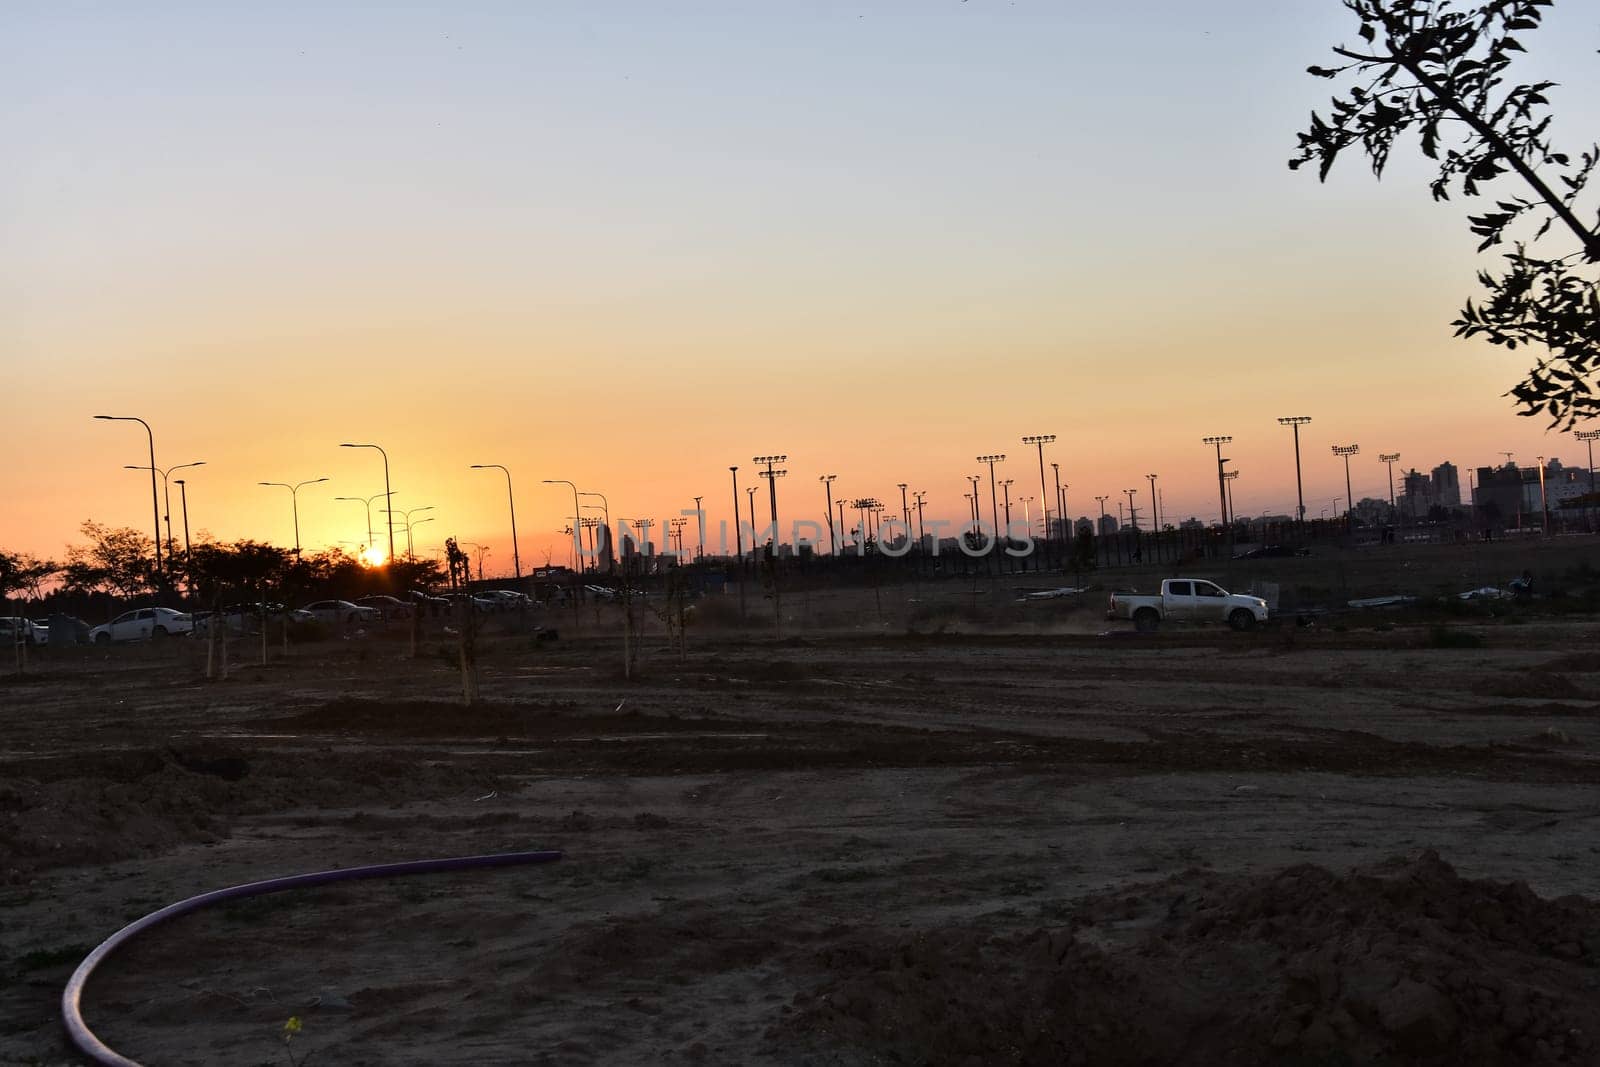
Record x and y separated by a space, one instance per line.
143 624
335 612
15 630
503 599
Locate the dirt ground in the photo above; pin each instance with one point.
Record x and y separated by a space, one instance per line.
900 832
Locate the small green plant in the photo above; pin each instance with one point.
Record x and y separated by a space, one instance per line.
291 1030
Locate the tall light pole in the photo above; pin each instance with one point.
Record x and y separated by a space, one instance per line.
294 500
922 534
700 518
516 557
1102 527
750 497
1588 438
605 510
1297 421
1061 505
905 509
1040 440
1133 514
827 486
772 477
1006 484
577 523
1350 502
166 493
392 512
738 536
483 550
994 502
155 508
1544 502
1155 505
411 554
840 505
1228 479
183 498
387 492
1390 458
367 500
1222 486
974 479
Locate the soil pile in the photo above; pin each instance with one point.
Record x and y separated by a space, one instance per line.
102 808
1402 963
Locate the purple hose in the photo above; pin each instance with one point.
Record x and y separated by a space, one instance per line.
100 1052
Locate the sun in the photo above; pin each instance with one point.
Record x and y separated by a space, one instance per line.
372 556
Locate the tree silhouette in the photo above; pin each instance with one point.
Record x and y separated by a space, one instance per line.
118 560
1439 70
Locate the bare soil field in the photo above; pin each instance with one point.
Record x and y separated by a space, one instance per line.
902 830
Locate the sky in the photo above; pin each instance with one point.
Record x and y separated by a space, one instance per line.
631 244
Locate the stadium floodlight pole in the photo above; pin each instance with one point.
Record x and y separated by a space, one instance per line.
772 477
166 493
1155 505
1006 484
994 499
1297 421
1133 513
1350 502
827 485
1588 438
516 557
367 500
905 508
155 507
1390 458
183 499
840 505
1042 439
1102 527
974 479
1229 478
922 534
294 500
750 496
1222 486
738 536
605 509
387 492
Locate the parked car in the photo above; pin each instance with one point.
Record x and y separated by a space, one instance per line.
387 607
247 618
1188 600
143 624
428 605
504 599
14 630
1272 552
342 612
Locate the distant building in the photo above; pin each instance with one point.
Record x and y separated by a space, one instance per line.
1447 485
1108 525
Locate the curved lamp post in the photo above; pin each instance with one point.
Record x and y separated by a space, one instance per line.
387 493
516 558
294 500
155 508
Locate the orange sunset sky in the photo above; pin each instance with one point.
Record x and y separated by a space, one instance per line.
630 244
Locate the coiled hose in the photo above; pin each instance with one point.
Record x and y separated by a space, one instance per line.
100 1052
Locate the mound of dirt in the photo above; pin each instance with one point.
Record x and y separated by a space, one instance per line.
65 810
1402 963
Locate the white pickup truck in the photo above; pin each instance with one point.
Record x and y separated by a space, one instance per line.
1188 600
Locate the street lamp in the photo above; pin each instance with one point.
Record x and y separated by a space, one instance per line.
1006 484
387 493
1297 421
1041 440
155 508
1229 478
1350 506
827 486
920 496
577 523
1544 502
1222 486
516 557
1102 527
1061 504
391 512
183 498
166 493
483 550
738 535
1155 505
294 499
1133 513
366 500
905 508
